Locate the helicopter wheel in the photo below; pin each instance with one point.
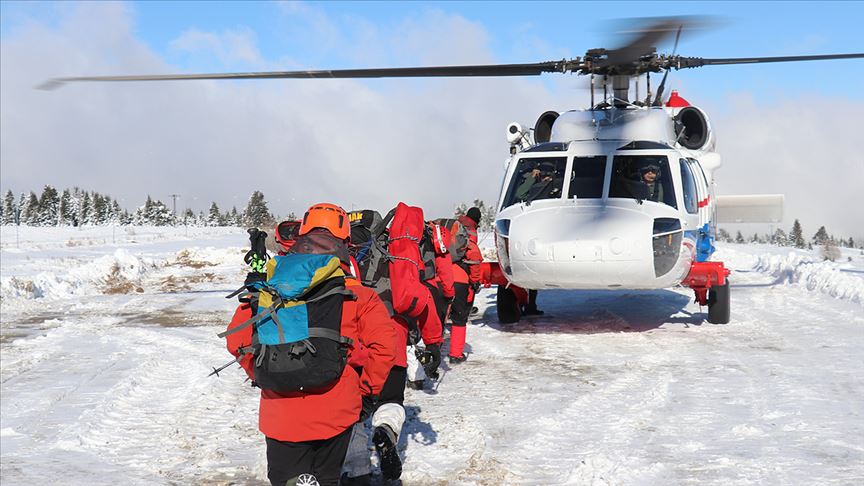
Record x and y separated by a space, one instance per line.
508 306
718 304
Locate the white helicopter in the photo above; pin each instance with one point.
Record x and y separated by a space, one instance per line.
617 196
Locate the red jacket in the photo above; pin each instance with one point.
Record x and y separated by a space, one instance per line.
300 416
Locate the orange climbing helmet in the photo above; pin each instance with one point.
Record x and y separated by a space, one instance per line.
327 216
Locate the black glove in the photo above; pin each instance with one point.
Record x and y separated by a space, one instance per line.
475 287
431 360
370 403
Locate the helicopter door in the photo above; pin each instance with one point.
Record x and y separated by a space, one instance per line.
703 192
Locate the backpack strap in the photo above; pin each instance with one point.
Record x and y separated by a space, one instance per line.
323 332
270 311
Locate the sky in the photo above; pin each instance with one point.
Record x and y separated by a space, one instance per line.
781 128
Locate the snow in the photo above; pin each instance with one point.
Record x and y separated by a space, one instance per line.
105 347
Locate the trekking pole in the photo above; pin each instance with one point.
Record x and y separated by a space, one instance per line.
217 370
438 383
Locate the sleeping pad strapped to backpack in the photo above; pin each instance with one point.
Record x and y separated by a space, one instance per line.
296 339
410 296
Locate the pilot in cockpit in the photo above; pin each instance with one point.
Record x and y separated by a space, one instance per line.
650 176
534 182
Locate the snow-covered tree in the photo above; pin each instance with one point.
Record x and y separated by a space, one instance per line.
256 214
85 209
49 207
234 217
796 236
160 214
723 235
779 238
30 215
821 236
460 210
9 208
739 238
214 217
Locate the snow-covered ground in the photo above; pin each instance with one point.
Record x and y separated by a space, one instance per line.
107 335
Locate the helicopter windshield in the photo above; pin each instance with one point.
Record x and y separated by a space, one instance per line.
536 178
586 179
642 177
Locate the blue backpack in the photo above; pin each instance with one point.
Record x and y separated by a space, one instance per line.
296 338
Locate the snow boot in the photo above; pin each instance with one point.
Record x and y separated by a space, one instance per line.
474 310
532 311
385 445
416 384
458 359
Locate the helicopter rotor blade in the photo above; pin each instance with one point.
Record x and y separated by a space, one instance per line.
489 70
648 34
691 62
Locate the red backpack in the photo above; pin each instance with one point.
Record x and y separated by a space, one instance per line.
406 265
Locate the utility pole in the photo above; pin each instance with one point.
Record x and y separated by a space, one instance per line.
174 197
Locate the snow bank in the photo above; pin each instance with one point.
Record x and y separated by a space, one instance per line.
826 277
119 272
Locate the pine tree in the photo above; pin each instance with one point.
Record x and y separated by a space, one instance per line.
9 208
85 211
821 236
293 217
851 242
723 235
31 215
214 217
49 207
796 236
779 238
755 238
234 217
256 214
159 214
460 210
739 238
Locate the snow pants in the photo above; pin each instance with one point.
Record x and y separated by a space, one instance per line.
390 412
320 458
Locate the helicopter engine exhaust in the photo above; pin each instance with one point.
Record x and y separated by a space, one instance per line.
543 127
692 128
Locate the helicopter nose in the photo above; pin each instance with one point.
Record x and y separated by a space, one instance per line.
579 247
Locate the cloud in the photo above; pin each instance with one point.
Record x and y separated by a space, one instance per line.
229 46
433 143
801 147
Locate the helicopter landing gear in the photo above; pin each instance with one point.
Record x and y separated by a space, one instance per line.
718 304
508 305
709 283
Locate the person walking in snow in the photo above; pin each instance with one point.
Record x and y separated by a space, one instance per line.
466 282
307 432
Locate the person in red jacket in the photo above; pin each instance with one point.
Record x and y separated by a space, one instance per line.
308 432
466 279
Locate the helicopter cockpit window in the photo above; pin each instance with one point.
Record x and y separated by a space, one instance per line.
642 177
535 179
586 179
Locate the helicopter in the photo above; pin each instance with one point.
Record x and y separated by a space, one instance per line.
618 195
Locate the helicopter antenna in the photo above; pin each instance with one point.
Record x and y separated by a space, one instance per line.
657 100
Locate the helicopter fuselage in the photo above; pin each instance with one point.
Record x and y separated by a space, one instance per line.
583 211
